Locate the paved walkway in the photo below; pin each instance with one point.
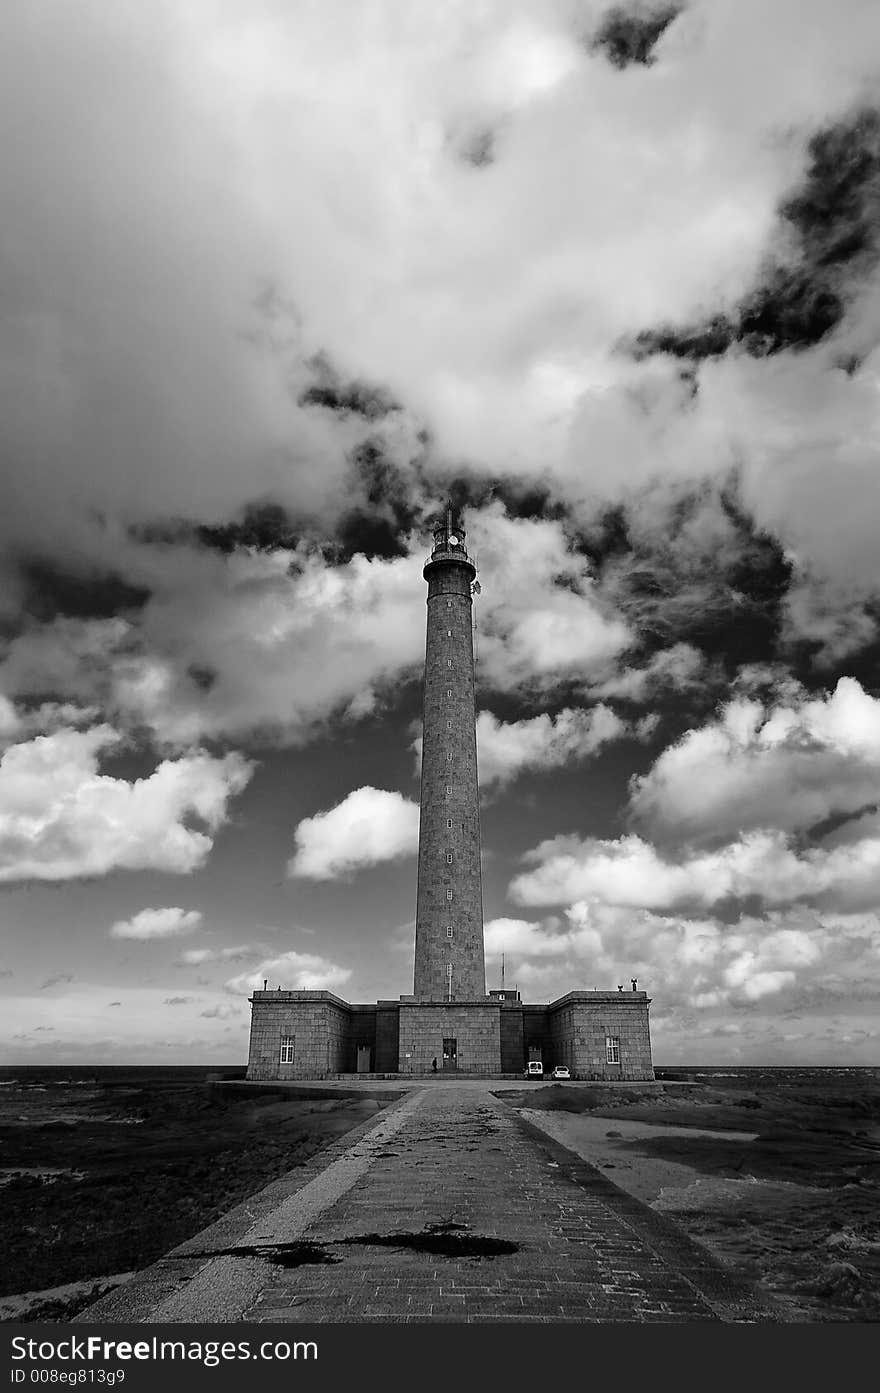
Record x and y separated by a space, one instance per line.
397 1222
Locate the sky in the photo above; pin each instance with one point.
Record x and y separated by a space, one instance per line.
276 281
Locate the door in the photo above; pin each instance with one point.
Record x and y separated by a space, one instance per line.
450 1054
364 1059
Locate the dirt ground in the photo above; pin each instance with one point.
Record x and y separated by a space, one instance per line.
780 1183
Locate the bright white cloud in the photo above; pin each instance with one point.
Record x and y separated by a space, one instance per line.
157 923
539 619
694 966
369 826
320 636
60 817
196 957
507 749
632 872
787 766
292 972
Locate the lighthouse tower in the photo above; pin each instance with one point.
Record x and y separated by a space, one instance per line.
450 1024
449 961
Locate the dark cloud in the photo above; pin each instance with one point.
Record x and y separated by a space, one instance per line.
696 570
479 149
331 393
202 677
833 224
51 591
264 526
378 524
628 36
522 498
56 980
176 1000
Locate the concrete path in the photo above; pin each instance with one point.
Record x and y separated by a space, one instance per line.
398 1221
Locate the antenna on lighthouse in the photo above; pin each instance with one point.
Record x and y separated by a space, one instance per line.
502 972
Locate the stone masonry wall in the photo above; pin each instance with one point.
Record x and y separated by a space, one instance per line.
473 1025
319 1024
512 1045
387 1037
449 876
580 1023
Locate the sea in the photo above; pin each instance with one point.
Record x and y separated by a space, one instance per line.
33 1079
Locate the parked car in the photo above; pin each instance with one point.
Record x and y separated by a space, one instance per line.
561 1071
534 1069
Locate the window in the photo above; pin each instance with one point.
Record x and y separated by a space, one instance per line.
449 969
449 633
449 930
448 790
449 819
450 757
449 662
449 858
449 894
286 1056
449 604
448 725
612 1049
449 691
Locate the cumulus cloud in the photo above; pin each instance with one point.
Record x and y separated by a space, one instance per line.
632 872
62 818
369 826
540 619
694 966
292 972
507 749
320 635
157 923
789 766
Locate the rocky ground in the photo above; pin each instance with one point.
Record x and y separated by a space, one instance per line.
97 1181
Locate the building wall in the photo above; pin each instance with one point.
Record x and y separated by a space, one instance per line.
475 1026
387 1037
512 1046
580 1023
319 1024
492 1037
449 875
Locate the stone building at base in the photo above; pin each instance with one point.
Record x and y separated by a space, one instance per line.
315 1035
450 1019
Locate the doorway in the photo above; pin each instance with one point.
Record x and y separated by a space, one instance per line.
363 1059
450 1054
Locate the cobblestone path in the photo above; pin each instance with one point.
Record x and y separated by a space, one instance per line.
449 1207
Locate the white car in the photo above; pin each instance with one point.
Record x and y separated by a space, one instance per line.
534 1069
561 1071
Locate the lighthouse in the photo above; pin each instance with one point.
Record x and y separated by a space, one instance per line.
449 957
449 1025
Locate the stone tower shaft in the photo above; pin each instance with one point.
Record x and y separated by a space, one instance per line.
449 958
